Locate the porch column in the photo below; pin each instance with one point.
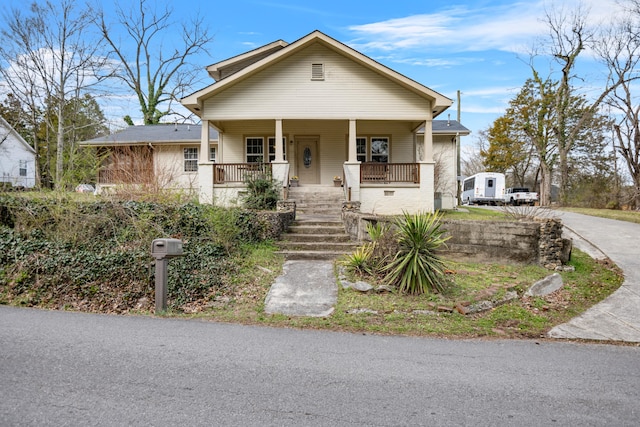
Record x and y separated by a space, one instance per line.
279 150
427 167
280 167
428 138
353 148
351 167
205 137
205 166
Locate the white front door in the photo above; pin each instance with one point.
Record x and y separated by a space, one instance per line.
307 160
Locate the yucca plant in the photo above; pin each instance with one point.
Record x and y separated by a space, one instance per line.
416 269
358 261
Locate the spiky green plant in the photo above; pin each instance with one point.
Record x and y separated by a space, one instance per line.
358 260
416 268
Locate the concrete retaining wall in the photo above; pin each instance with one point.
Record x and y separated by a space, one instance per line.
520 242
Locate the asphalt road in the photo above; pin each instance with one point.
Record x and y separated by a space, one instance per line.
61 368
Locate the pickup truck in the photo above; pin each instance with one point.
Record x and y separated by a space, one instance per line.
520 196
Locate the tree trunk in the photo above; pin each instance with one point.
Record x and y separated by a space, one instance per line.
545 185
60 147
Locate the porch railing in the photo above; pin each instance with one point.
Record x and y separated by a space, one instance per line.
385 173
239 172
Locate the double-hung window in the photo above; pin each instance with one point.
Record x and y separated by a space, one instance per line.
213 154
191 159
272 148
23 168
372 149
361 145
380 149
255 149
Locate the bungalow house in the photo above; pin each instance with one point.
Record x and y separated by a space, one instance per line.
336 112
17 158
317 109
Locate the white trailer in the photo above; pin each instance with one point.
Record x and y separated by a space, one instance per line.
483 188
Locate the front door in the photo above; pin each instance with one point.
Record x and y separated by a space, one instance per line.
307 160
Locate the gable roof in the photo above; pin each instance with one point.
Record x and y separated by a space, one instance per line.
225 68
259 59
4 124
160 133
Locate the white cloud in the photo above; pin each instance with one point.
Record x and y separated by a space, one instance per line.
509 27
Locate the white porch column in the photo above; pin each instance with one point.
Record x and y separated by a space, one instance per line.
353 148
279 150
205 137
428 138
279 166
352 165
205 167
427 167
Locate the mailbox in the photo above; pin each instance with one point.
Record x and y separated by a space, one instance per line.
166 248
163 250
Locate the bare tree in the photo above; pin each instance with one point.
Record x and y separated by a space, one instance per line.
620 50
155 76
569 36
48 57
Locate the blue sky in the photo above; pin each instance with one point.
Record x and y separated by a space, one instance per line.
479 47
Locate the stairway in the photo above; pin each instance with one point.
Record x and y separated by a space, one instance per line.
318 231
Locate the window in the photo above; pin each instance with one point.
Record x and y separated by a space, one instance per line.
23 168
317 71
255 149
372 149
272 148
191 159
380 149
213 153
361 145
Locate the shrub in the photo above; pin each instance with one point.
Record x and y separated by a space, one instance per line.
262 192
416 269
95 255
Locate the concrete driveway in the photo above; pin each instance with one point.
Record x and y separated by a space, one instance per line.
617 318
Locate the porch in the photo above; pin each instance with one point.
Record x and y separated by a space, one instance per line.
381 188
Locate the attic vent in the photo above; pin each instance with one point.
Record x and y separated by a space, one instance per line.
317 71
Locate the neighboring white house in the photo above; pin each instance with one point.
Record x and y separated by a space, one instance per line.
316 109
17 158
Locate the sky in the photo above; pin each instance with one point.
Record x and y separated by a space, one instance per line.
478 47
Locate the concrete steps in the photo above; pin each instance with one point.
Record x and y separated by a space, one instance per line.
317 200
318 232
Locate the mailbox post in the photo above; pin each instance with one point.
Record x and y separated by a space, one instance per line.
163 250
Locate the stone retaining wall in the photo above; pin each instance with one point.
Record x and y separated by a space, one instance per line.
522 242
277 222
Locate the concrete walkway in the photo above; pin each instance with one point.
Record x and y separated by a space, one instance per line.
617 318
305 288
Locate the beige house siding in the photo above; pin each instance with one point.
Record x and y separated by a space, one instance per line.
347 87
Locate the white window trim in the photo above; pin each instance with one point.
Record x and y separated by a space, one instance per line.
368 151
246 152
190 156
284 147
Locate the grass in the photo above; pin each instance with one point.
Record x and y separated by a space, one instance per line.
629 216
432 314
471 213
